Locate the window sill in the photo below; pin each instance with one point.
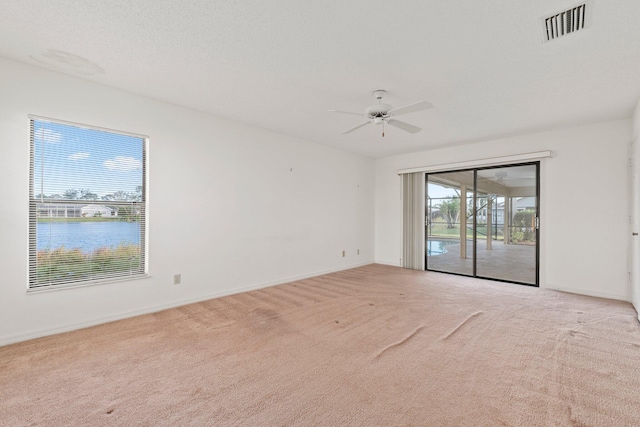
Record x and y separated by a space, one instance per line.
53 288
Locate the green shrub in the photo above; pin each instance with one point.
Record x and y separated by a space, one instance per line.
517 236
61 265
524 226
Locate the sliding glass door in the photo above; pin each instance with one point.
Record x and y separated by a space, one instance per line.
449 206
484 223
506 223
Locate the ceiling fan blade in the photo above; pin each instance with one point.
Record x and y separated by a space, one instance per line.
345 112
404 126
422 105
356 127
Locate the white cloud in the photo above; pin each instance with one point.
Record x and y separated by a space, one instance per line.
78 156
121 163
47 135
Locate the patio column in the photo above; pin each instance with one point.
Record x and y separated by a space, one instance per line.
463 221
489 220
507 220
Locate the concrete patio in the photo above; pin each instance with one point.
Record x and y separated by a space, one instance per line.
505 262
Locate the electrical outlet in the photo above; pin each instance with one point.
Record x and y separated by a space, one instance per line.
344 253
177 279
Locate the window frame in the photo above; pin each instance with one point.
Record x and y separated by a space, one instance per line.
141 206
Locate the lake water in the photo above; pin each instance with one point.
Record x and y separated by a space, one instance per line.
86 236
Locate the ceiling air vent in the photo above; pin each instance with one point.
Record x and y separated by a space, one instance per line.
566 22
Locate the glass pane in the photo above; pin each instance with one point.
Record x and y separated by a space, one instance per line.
506 223
76 163
72 246
449 225
87 204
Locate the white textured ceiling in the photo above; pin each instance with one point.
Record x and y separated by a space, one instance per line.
281 64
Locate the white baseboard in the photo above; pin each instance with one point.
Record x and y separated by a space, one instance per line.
388 263
561 289
11 339
589 293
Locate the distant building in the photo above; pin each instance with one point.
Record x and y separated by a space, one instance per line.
57 210
526 203
98 210
518 204
74 210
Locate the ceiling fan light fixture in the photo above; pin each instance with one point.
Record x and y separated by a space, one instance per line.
378 110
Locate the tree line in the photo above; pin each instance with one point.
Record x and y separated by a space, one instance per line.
85 194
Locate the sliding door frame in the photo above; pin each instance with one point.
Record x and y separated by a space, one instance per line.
475 216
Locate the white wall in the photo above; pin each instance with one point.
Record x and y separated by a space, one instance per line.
634 244
584 210
231 207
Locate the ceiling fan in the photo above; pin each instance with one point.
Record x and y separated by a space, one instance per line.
384 113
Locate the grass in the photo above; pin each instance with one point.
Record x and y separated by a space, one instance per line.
440 230
63 265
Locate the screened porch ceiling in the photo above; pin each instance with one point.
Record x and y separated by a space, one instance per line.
513 181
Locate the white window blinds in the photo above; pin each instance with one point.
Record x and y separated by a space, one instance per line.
413 220
87 210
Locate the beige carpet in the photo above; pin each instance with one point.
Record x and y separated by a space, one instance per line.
372 346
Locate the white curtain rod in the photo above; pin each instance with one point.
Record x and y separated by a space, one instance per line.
492 161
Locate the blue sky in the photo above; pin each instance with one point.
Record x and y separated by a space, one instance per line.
436 191
67 157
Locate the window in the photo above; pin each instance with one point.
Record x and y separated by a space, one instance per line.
87 210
